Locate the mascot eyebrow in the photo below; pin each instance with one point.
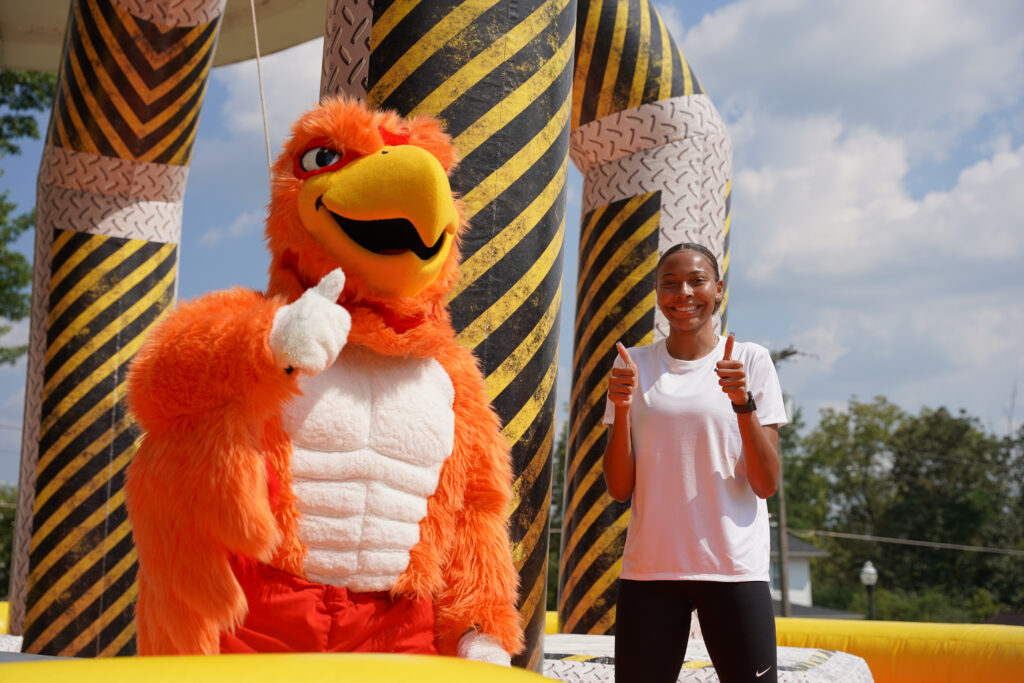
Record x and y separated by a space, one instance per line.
400 137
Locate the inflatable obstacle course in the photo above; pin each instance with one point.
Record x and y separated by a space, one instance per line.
912 652
266 668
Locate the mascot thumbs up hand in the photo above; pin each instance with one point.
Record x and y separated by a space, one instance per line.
310 333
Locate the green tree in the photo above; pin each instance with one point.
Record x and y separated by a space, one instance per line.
8 501
950 487
556 517
22 95
1005 570
874 470
837 482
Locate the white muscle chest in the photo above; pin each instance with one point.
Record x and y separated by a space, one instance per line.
369 436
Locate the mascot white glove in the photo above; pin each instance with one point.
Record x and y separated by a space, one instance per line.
481 647
309 333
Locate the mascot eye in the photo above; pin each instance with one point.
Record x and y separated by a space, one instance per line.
318 159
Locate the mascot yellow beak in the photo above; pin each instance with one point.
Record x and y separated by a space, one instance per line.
389 217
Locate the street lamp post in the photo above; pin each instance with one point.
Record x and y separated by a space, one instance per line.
869 577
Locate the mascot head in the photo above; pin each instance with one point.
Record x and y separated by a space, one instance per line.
367 191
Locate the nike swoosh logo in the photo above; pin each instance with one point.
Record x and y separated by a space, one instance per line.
762 673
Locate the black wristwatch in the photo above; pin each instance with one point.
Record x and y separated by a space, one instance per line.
748 407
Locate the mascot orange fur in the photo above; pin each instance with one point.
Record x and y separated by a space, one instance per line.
321 469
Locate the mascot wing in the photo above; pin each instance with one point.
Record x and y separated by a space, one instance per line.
202 389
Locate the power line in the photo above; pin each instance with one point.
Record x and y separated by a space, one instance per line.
907 541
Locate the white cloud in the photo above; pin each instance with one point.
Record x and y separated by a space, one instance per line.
672 16
826 340
832 203
917 300
228 179
291 83
958 353
18 334
982 215
823 203
245 225
927 68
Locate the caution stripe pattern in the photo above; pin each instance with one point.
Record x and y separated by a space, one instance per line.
121 134
105 293
625 57
656 161
497 73
615 302
130 88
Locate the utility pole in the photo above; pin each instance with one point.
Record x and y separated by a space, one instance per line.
787 610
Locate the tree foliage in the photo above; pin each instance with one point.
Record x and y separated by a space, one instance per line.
22 95
556 518
875 470
8 501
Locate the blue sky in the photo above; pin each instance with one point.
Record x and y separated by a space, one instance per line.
878 211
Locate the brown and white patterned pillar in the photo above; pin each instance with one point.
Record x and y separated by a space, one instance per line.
109 211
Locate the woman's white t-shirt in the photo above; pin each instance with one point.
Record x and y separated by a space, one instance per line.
693 514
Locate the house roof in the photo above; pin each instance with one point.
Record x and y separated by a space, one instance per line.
797 546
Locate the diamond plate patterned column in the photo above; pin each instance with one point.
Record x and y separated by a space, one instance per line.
132 78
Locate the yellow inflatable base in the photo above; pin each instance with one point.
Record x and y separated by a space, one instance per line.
908 652
318 668
896 652
914 652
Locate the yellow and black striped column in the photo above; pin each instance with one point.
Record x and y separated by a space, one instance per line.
498 74
109 200
656 165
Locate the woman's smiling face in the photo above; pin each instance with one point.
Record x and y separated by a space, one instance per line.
688 291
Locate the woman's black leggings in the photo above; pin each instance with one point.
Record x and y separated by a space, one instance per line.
652 624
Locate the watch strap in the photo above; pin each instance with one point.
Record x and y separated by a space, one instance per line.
748 407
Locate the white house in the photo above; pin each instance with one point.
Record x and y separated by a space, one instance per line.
800 554
800 601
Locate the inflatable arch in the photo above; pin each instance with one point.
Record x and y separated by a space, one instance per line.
521 86
501 76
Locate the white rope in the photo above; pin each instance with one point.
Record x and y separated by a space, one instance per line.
259 77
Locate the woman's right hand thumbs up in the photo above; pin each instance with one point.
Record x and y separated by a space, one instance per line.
623 379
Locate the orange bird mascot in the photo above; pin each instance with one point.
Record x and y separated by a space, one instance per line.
321 469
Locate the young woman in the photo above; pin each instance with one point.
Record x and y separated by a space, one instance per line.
694 441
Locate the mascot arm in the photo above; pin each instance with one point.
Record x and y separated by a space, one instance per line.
480 582
202 389
195 496
208 356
